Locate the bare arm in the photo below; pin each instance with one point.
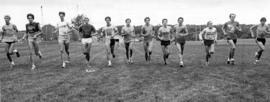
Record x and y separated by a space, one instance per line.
216 35
224 28
251 30
186 31
267 30
39 31
201 33
159 34
238 27
172 32
25 34
2 34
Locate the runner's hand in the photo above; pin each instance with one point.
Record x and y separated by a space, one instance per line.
252 35
35 36
201 41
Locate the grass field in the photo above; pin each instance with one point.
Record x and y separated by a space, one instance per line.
139 82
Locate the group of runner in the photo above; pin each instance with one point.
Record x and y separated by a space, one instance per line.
110 35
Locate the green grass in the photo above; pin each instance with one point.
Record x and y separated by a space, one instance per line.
139 82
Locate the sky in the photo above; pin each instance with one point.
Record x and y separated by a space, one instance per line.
193 11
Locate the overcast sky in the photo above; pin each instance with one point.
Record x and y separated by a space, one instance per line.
193 11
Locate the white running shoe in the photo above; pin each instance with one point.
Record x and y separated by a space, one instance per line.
109 63
64 65
232 61
256 61
181 64
33 66
228 61
206 63
12 64
131 61
89 70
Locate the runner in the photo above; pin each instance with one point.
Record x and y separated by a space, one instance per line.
261 30
230 29
148 33
64 29
109 31
128 33
33 31
9 36
209 37
165 36
87 31
180 33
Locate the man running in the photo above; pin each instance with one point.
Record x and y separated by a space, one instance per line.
9 36
209 37
230 29
147 32
87 31
108 32
165 36
180 33
128 32
33 31
261 30
64 28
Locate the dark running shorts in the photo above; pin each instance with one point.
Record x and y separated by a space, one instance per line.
263 40
180 40
112 42
116 40
165 43
208 42
10 42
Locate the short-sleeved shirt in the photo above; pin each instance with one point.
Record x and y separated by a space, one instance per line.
231 28
165 32
109 31
63 27
32 28
9 32
128 33
209 33
261 30
148 30
87 30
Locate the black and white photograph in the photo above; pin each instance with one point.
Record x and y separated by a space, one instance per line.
134 51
